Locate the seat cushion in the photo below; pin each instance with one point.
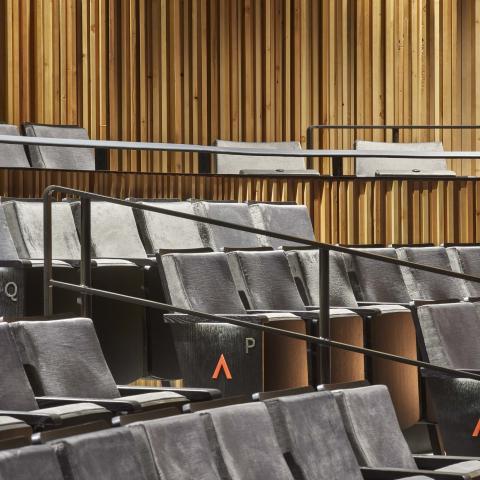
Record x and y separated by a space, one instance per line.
287 219
245 438
65 358
221 237
200 281
159 231
153 399
373 429
371 166
311 433
232 164
266 279
12 155
27 463
70 158
25 221
180 447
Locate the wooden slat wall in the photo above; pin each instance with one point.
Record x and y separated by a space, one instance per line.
196 70
347 211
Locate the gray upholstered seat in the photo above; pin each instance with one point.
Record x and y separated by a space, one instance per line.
12 155
250 164
430 286
466 260
220 237
245 438
66 360
28 463
372 166
70 158
374 432
180 447
113 454
288 219
378 281
159 231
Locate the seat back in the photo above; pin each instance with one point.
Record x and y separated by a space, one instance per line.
373 429
27 463
235 164
25 222
450 334
113 231
305 269
69 158
12 155
15 390
180 447
288 219
7 247
220 237
466 260
372 166
200 281
112 454
430 286
264 277
64 358
378 281
245 438
160 231
312 436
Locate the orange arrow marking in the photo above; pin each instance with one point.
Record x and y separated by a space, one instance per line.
476 432
222 363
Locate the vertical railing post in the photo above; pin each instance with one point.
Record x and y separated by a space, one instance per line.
395 134
47 254
85 259
324 315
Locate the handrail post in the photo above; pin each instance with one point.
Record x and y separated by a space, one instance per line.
324 361
47 254
85 259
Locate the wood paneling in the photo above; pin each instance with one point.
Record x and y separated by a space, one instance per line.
196 70
347 211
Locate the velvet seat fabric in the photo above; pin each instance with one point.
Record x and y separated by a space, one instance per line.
287 219
12 155
68 158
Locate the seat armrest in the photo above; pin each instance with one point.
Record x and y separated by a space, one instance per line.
192 394
113 405
303 314
38 420
363 312
433 462
185 318
368 304
397 473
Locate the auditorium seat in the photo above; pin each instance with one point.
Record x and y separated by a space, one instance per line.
14 433
284 218
422 285
375 435
466 259
378 166
203 282
265 281
12 155
261 165
65 158
219 238
448 336
180 447
30 463
82 371
113 454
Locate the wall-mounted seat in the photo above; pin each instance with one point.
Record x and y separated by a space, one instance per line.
261 165
285 218
378 166
12 155
66 158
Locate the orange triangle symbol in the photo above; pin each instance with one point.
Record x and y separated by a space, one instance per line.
476 432
222 363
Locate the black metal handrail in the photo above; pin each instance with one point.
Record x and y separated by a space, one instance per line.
321 333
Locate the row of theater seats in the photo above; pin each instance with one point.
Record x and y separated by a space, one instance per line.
346 434
71 158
